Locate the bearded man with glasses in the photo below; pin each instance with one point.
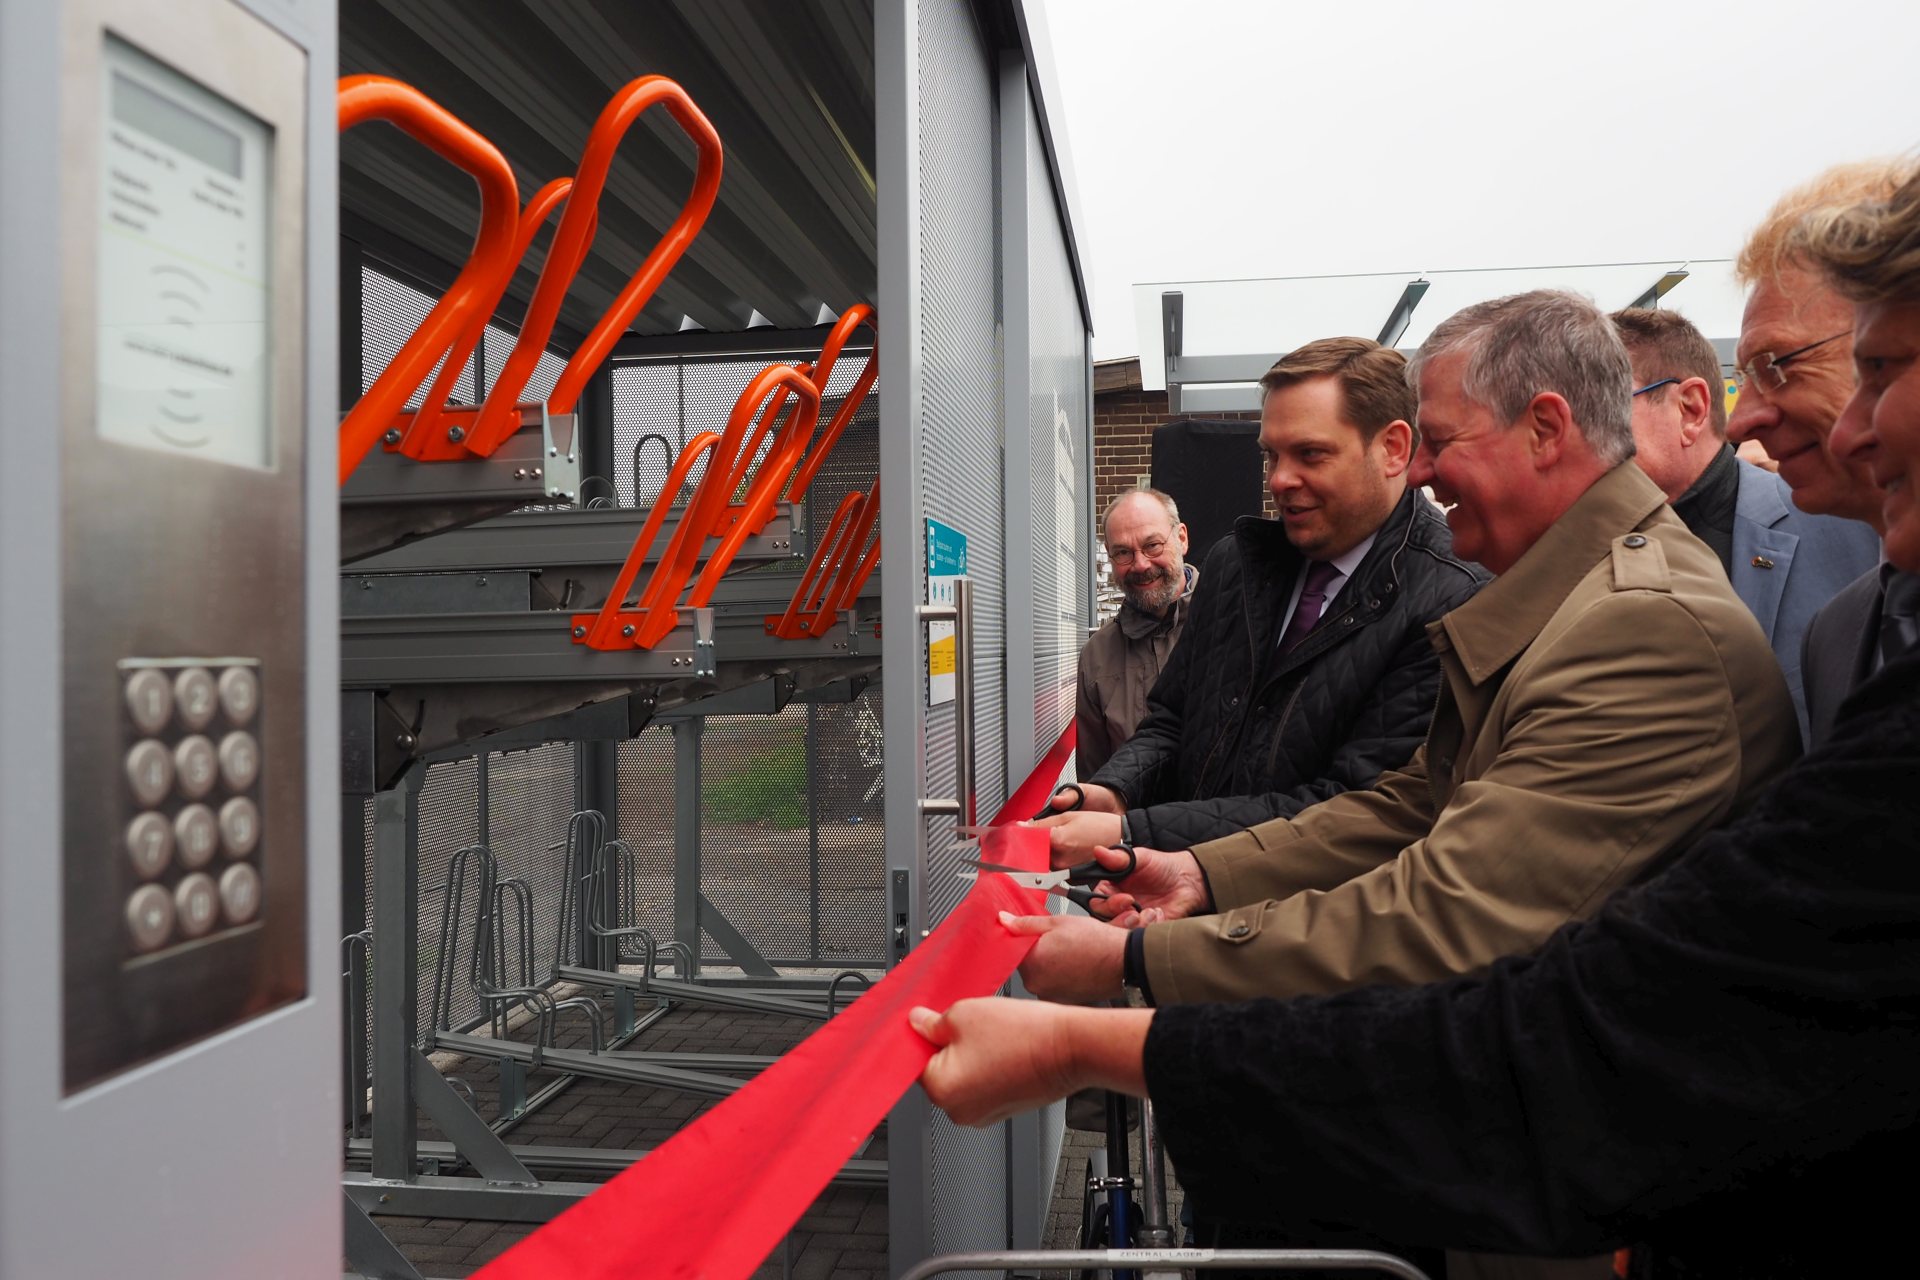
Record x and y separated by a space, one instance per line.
1794 371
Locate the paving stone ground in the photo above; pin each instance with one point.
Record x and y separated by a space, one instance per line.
842 1235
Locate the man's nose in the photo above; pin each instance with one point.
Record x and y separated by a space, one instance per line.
1853 437
1752 412
1420 470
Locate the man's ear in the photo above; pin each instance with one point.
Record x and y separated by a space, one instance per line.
1695 398
1180 536
1550 428
1395 445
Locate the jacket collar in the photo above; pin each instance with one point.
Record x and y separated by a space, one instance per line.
1490 630
1138 624
1762 498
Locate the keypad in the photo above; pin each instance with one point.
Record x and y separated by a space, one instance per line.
191 797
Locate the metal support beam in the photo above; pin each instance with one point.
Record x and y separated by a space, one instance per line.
1659 289
471 1137
1172 333
1402 314
368 1251
686 835
733 942
396 950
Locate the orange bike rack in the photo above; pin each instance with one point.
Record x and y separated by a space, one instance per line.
420 437
499 417
856 315
613 627
836 573
364 98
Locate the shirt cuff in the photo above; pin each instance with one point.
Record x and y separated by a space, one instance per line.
1133 964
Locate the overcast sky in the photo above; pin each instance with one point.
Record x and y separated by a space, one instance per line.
1226 139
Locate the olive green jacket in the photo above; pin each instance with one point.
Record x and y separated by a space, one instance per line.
1606 700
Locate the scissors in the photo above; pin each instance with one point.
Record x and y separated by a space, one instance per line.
1073 883
1047 810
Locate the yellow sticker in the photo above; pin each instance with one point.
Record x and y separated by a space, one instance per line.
940 657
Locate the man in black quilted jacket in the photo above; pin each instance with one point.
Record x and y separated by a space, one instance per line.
1305 668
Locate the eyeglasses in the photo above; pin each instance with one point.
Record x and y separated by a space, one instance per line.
1769 371
1124 556
1655 386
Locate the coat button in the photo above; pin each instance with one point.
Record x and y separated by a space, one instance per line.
1634 540
1238 931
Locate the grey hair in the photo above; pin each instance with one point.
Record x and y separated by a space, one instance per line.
1548 340
1165 500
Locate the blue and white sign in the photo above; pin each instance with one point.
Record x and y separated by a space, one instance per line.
946 561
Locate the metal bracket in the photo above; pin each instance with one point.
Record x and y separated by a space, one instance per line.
704 664
900 911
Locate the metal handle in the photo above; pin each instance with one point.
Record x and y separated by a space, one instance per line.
960 613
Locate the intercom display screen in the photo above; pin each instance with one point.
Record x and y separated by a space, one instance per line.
186 207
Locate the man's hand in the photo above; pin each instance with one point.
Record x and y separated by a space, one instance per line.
1072 836
1092 798
1000 1057
997 1058
1163 886
1076 960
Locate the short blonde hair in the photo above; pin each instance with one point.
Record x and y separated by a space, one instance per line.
1771 247
1870 251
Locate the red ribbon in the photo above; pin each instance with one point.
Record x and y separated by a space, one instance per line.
715 1199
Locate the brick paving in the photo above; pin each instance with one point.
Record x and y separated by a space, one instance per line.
842 1235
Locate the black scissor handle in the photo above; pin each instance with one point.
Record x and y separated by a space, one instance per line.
1079 801
1093 872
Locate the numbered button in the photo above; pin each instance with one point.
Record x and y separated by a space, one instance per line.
196 835
239 694
239 760
149 772
240 893
239 827
149 916
193 766
149 700
193 697
149 845
196 904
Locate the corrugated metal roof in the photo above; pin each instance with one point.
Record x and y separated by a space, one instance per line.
788 84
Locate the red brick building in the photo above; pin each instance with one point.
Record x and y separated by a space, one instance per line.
1124 417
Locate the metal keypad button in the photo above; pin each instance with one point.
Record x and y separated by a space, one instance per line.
149 845
240 893
149 916
196 904
193 765
239 760
196 834
149 772
193 696
239 694
239 826
149 700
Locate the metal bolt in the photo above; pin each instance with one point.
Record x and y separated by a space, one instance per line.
366 584
392 436
536 473
553 453
480 582
579 633
569 457
627 630
404 741
456 434
519 473
568 495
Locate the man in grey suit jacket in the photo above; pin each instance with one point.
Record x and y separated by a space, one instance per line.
1795 366
1784 563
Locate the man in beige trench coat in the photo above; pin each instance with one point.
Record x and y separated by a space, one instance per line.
1606 699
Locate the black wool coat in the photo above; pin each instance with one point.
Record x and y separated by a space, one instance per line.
1720 1069
1237 733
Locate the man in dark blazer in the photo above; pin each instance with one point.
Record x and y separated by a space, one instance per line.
1784 564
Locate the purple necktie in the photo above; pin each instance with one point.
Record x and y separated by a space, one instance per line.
1313 598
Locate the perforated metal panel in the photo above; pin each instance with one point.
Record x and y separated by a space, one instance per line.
847 781
449 821
1057 436
658 405
531 796
960 484
646 824
390 311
